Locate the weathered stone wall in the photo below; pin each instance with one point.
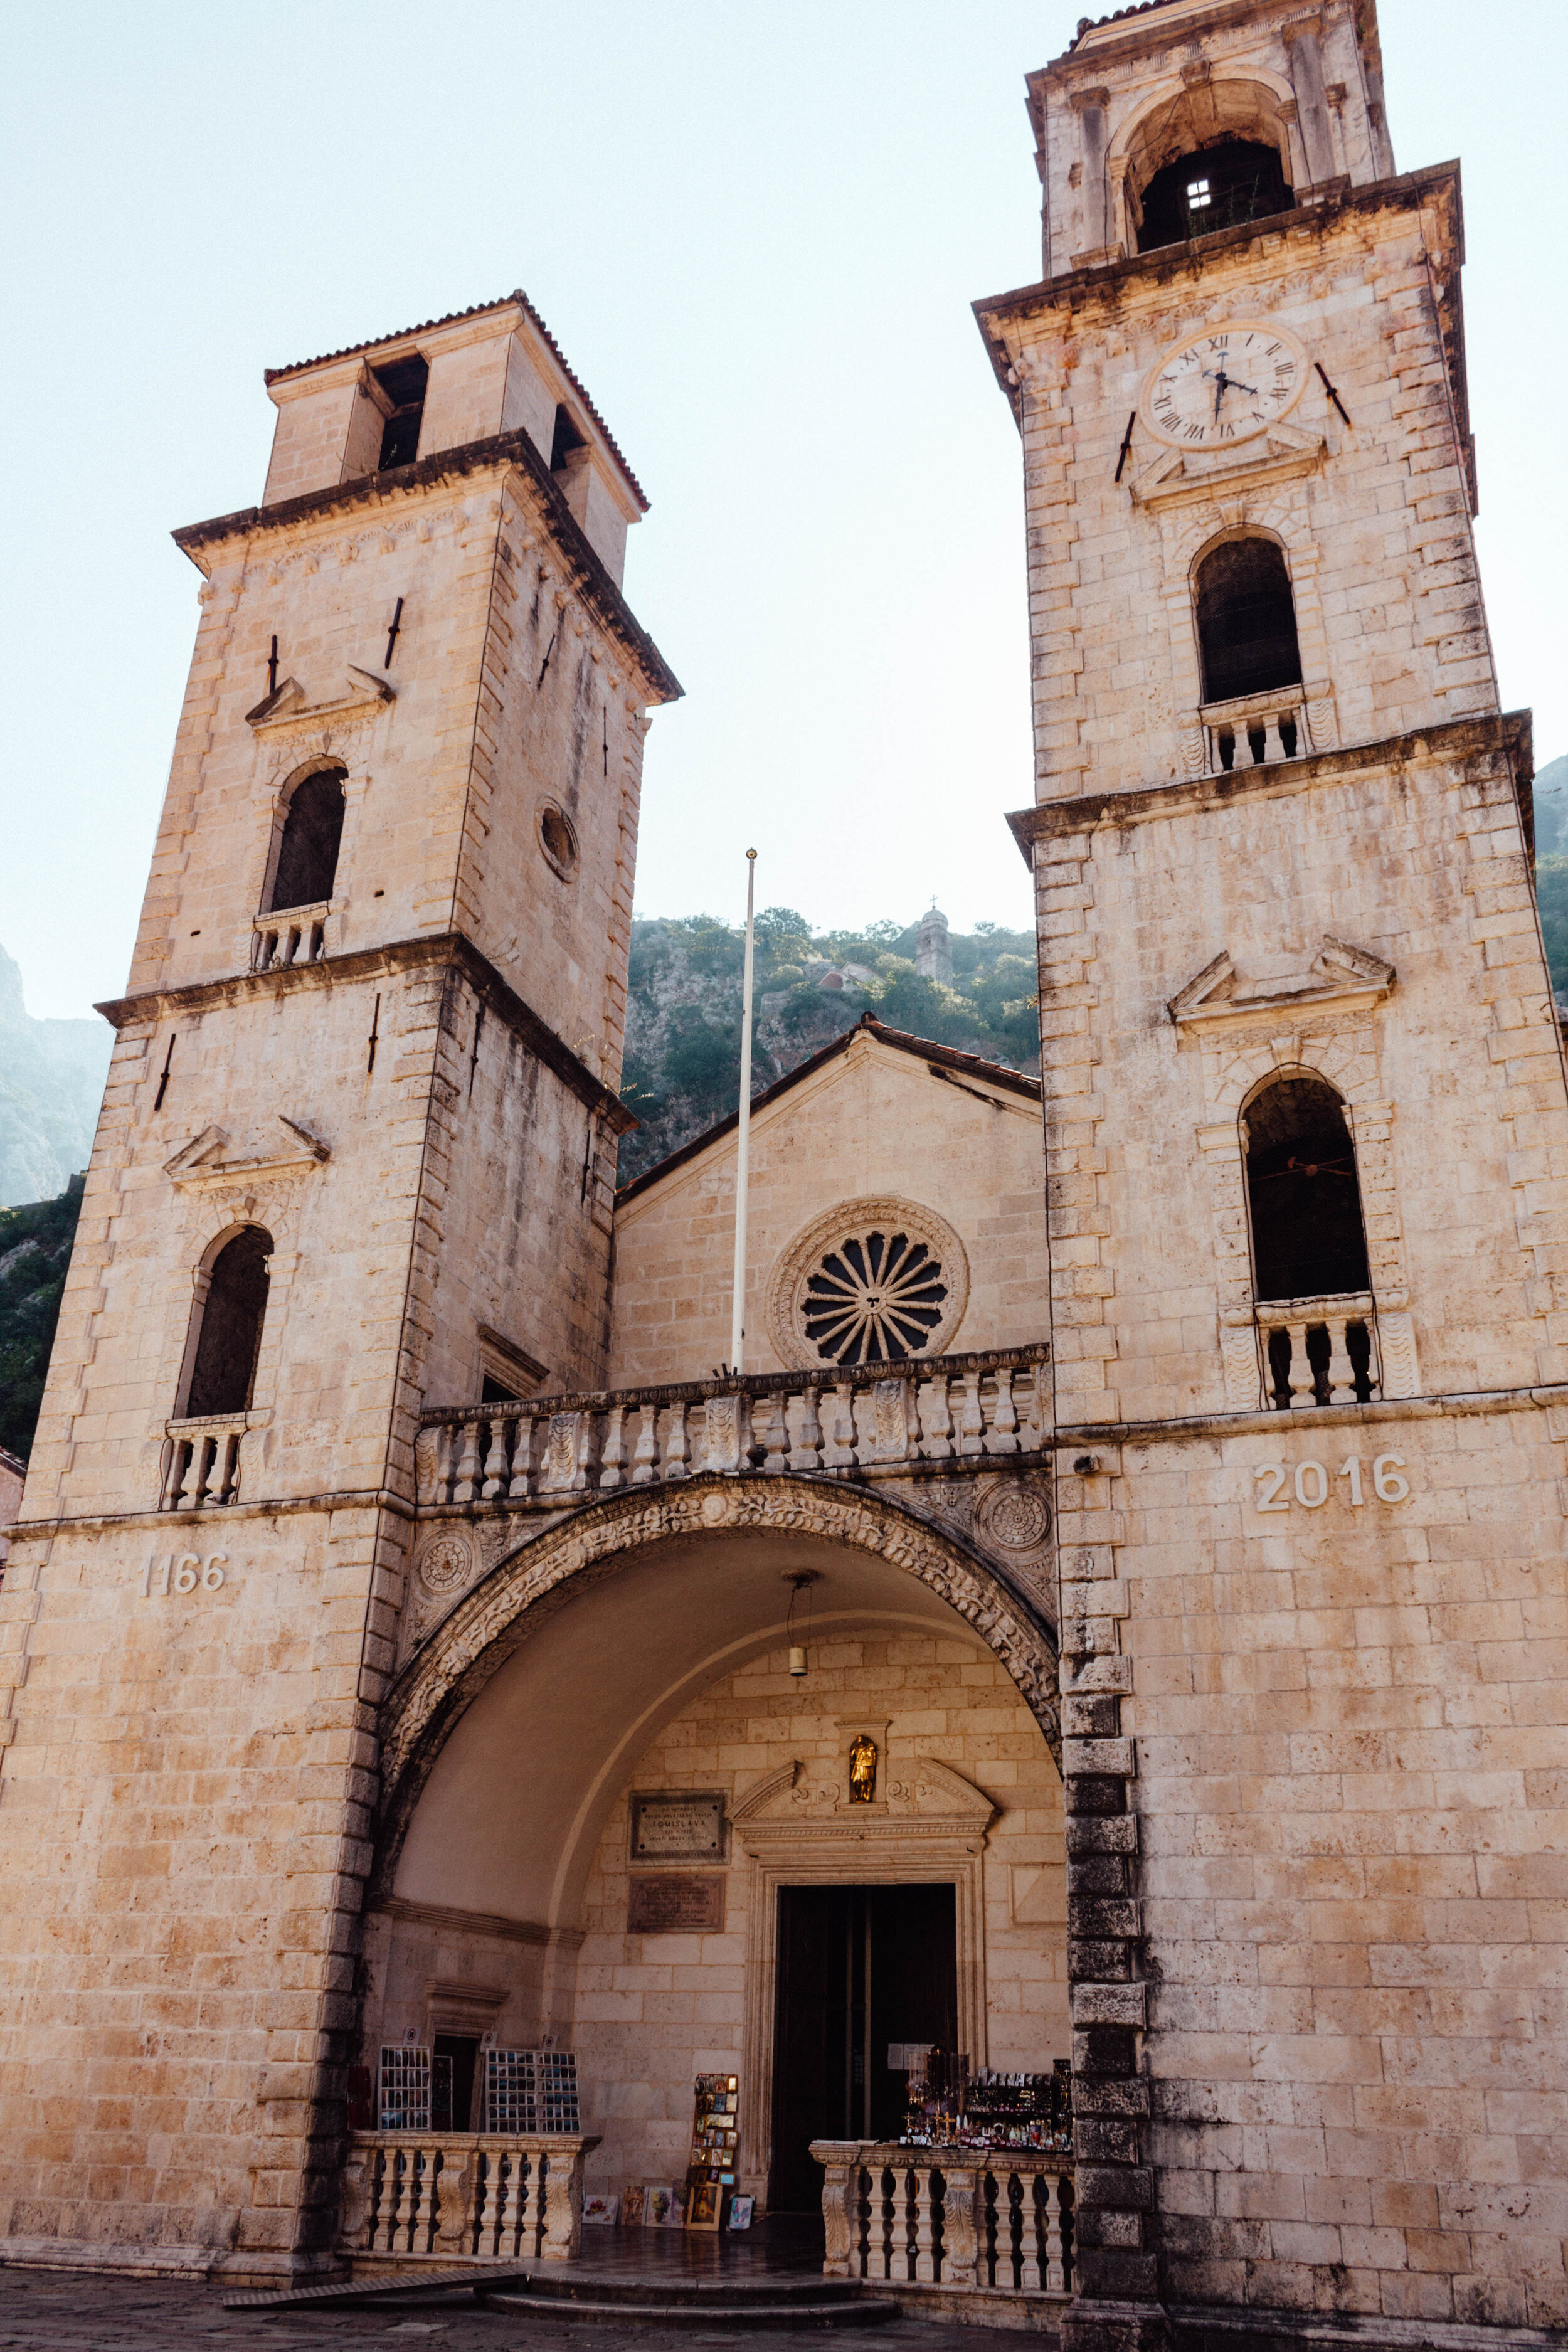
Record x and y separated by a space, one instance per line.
873 1123
1344 1749
1453 1083
1371 514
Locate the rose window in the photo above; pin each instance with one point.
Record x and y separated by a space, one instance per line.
875 1298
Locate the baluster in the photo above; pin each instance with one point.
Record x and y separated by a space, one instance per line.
612 1456
402 2189
521 1458
924 2181
377 2193
861 2258
1342 1371
970 1419
209 1452
936 1421
1303 1379
496 1469
676 1453
889 2203
775 1434
1004 1432
509 2217
644 1461
468 1486
1029 2231
805 1453
392 2205
533 2238
838 1449
481 2168
1056 2266
183 1498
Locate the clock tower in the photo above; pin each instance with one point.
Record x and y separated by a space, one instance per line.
1307 1138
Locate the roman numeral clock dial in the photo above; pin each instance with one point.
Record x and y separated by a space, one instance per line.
1224 385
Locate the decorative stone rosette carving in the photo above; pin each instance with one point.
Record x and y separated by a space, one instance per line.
787 1308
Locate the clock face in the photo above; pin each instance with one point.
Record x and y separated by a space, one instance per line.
1224 385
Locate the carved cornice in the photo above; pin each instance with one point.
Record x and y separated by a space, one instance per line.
450 949
1500 733
500 452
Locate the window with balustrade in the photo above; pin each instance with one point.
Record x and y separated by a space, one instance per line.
1310 1281
307 862
229 1311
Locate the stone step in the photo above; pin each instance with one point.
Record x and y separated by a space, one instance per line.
656 2307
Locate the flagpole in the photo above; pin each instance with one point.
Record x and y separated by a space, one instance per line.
743 1138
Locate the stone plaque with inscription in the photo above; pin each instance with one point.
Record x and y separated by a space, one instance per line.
675 1902
678 1825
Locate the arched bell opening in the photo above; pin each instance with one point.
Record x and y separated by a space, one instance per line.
1246 615
1214 156
662 1671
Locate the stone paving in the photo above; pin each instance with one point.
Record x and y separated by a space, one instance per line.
68 2311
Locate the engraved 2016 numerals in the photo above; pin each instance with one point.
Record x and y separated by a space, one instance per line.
1311 1484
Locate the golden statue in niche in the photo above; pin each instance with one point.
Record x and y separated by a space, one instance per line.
862 1769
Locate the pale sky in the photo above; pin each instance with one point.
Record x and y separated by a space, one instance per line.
756 231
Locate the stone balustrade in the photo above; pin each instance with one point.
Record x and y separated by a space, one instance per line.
1255 730
1320 1351
200 1465
986 2220
966 1409
464 2195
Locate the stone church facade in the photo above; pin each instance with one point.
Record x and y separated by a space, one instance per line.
1177 1516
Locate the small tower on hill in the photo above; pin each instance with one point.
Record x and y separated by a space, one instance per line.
933 949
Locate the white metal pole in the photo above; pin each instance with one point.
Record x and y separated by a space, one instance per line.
744 1139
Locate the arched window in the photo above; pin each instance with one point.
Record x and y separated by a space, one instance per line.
231 1316
1246 620
1216 187
308 854
1307 1240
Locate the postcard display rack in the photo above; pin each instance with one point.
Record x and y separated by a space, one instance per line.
950 2107
525 2090
710 2174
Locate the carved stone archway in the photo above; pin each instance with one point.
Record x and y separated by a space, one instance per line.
543 1576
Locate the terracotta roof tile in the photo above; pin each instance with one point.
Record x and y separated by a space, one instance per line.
477 311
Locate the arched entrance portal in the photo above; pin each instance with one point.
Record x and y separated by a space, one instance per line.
604 1787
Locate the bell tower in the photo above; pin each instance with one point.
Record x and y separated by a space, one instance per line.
357 1148
1307 1139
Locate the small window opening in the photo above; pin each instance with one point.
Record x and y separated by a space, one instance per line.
565 439
404 382
1308 1239
312 830
560 841
494 1392
232 1315
1224 186
1247 621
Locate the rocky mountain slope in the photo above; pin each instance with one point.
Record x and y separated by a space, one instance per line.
683 1014
51 1081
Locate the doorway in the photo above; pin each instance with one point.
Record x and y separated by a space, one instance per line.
453 2069
861 1969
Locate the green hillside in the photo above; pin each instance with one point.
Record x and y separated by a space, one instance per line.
683 1014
